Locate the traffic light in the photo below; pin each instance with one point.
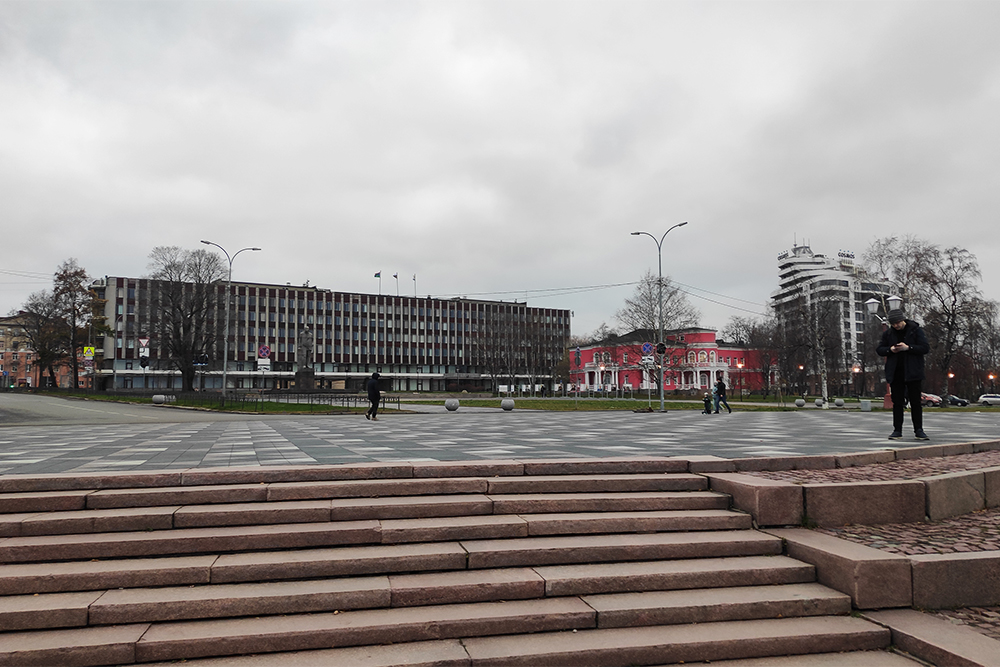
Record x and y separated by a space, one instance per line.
661 348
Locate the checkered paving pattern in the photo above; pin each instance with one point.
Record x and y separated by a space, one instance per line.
459 436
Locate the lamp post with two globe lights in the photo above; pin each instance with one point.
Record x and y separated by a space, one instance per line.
229 282
660 345
891 302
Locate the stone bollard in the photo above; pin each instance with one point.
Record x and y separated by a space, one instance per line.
159 399
451 404
507 404
819 402
800 402
839 402
866 406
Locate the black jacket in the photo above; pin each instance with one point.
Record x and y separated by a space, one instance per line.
912 359
373 392
720 389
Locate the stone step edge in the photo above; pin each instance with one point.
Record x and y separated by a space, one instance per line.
165 517
759 638
392 590
428 529
76 499
318 562
935 640
350 471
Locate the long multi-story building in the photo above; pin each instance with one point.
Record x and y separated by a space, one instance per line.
417 343
807 279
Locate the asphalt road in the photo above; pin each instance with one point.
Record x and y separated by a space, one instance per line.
40 435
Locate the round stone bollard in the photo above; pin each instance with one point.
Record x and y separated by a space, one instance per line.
800 402
159 399
451 404
819 402
507 404
839 402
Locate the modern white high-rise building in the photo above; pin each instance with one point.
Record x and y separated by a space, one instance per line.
807 279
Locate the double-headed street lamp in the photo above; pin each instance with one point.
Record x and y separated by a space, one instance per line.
659 252
229 281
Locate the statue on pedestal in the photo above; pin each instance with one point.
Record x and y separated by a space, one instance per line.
305 376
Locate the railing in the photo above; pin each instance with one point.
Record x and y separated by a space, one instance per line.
244 402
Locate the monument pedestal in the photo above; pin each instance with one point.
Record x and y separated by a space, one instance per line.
305 380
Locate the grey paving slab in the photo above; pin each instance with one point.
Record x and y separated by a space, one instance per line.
148 438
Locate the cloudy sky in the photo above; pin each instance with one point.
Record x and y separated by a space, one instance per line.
502 149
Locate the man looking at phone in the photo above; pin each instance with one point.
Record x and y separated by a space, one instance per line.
904 345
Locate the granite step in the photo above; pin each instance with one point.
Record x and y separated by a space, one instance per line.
193 639
493 485
659 645
166 517
451 653
282 631
561 550
556 631
171 603
185 541
542 503
389 531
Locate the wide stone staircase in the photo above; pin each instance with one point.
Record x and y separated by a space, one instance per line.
604 562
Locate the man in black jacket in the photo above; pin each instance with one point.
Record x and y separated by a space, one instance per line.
904 345
374 396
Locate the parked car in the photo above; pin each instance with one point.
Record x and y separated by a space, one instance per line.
989 399
955 400
932 400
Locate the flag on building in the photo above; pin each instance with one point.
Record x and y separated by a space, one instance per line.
378 275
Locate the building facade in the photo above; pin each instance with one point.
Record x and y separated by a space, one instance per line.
417 343
694 361
811 285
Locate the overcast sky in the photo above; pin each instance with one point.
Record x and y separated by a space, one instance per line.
496 149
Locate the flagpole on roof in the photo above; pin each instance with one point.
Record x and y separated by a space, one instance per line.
396 276
379 276
414 286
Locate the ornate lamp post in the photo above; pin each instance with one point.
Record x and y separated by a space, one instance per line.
660 342
229 282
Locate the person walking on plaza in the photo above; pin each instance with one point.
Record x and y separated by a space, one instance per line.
904 345
708 404
374 396
720 397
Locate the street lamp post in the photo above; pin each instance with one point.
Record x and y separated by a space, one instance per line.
659 253
802 379
229 282
992 377
739 365
892 302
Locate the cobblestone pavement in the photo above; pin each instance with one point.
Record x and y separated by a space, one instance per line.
981 619
979 531
881 472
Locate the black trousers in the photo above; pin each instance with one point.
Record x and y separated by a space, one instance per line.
901 391
373 410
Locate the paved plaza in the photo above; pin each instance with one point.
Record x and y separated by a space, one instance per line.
41 435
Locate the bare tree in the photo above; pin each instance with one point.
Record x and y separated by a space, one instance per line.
188 284
953 303
642 309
